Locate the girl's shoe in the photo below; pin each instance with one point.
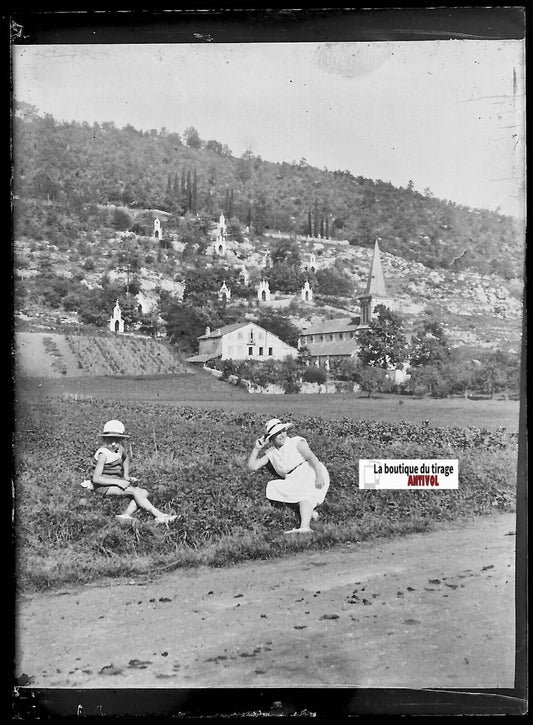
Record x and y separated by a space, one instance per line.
125 518
315 516
165 519
299 531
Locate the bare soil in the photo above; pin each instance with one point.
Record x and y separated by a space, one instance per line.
424 611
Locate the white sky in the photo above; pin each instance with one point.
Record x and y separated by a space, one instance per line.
448 114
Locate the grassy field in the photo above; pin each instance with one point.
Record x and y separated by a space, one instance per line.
191 436
200 389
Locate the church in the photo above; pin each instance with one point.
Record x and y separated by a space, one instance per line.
331 340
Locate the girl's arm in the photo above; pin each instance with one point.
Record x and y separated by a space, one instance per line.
255 462
101 480
126 466
313 461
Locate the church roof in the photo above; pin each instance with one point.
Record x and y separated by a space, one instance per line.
343 324
376 281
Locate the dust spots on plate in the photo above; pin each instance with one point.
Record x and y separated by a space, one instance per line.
136 664
111 670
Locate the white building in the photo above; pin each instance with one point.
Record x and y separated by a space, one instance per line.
263 291
224 291
306 293
241 341
157 233
116 323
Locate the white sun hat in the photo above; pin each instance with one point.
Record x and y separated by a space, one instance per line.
275 426
114 429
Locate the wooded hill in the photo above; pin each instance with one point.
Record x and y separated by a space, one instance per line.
63 171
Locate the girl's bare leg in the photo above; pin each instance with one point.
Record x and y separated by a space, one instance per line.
141 500
306 509
132 508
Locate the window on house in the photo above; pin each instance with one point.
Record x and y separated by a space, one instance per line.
321 338
260 350
270 351
250 351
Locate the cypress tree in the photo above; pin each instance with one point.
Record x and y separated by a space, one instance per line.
189 191
194 193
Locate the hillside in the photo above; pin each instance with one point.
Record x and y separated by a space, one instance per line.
476 310
53 355
74 167
87 198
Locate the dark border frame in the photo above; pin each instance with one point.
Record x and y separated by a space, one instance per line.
237 25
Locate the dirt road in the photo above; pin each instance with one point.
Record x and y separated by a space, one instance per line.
425 610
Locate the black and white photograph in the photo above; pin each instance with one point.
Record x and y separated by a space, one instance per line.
268 362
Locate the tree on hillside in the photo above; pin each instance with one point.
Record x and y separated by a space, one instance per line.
184 324
429 346
194 193
192 138
260 213
285 278
330 281
286 251
383 343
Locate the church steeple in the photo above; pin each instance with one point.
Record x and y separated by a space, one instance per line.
376 281
376 291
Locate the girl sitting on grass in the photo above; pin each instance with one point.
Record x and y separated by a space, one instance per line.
302 478
111 475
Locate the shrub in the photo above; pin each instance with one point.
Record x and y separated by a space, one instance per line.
314 374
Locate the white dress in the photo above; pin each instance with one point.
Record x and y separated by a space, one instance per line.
298 476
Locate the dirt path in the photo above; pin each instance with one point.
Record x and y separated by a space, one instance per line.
425 610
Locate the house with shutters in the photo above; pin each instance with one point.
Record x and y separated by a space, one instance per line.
241 341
